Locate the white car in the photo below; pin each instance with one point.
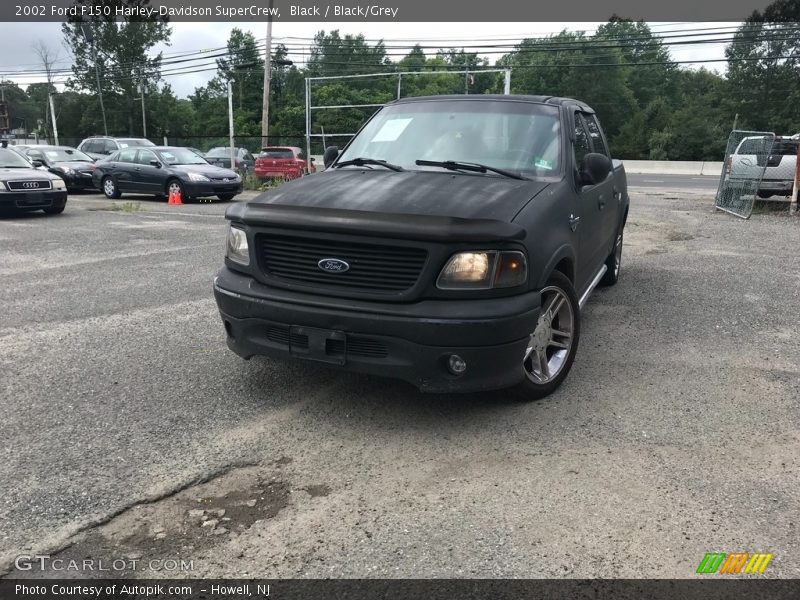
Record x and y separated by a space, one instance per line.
778 165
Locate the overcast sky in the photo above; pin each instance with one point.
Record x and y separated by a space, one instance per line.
16 41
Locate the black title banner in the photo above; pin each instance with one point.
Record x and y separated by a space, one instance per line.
380 11
399 589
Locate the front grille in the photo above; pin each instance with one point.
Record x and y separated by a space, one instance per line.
281 335
28 186
374 268
353 346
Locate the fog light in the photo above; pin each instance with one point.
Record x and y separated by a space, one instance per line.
456 364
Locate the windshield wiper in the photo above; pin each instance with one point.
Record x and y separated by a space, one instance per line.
361 162
454 165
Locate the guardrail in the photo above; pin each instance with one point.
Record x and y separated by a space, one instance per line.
673 167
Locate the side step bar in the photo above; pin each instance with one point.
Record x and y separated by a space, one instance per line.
592 285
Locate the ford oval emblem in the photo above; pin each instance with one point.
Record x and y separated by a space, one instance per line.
333 265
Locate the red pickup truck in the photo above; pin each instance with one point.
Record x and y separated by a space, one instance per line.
286 162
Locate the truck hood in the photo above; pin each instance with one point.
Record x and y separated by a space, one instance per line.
427 193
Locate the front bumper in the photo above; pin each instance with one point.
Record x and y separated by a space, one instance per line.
199 189
33 200
412 342
79 181
277 174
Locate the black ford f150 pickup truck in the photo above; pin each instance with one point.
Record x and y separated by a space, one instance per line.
452 244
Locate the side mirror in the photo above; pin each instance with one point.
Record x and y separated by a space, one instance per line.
594 169
37 162
155 163
331 153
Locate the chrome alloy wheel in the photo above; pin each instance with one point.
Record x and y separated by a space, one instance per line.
550 343
174 187
108 187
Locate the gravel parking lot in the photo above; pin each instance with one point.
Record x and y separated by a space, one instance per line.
131 431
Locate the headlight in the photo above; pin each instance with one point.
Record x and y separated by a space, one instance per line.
58 184
198 177
237 249
484 270
67 171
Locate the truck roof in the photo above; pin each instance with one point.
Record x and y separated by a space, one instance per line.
552 100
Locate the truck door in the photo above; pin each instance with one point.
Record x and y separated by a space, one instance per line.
589 224
610 197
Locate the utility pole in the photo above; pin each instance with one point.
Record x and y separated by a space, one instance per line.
141 89
53 114
230 123
735 119
267 76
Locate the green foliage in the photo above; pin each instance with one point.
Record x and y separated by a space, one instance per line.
121 51
763 90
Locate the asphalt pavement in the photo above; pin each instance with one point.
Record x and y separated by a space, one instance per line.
127 424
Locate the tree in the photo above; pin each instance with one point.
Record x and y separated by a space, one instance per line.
332 54
48 58
569 64
244 67
21 110
122 49
764 87
651 71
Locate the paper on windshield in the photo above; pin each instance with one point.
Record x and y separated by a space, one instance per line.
391 130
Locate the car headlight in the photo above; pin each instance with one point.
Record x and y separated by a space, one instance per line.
484 270
236 248
67 171
198 177
58 184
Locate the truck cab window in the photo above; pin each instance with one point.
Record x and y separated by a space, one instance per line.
597 137
582 147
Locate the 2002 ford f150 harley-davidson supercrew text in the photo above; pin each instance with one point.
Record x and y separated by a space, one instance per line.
452 244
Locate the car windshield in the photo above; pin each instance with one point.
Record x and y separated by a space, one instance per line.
134 142
58 155
181 156
221 152
515 136
276 153
11 160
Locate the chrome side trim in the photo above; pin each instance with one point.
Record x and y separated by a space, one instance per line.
592 285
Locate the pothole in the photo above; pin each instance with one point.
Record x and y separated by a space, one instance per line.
171 534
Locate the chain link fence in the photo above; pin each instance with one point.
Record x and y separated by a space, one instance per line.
746 158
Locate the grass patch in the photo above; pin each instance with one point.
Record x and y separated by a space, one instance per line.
126 207
253 183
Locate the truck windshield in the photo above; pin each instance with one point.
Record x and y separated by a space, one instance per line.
515 136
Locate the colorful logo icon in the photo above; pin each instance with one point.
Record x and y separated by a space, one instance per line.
737 562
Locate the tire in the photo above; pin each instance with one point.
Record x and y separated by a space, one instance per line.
109 187
55 210
226 197
176 184
613 262
554 341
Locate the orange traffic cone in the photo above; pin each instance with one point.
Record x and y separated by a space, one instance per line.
178 199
